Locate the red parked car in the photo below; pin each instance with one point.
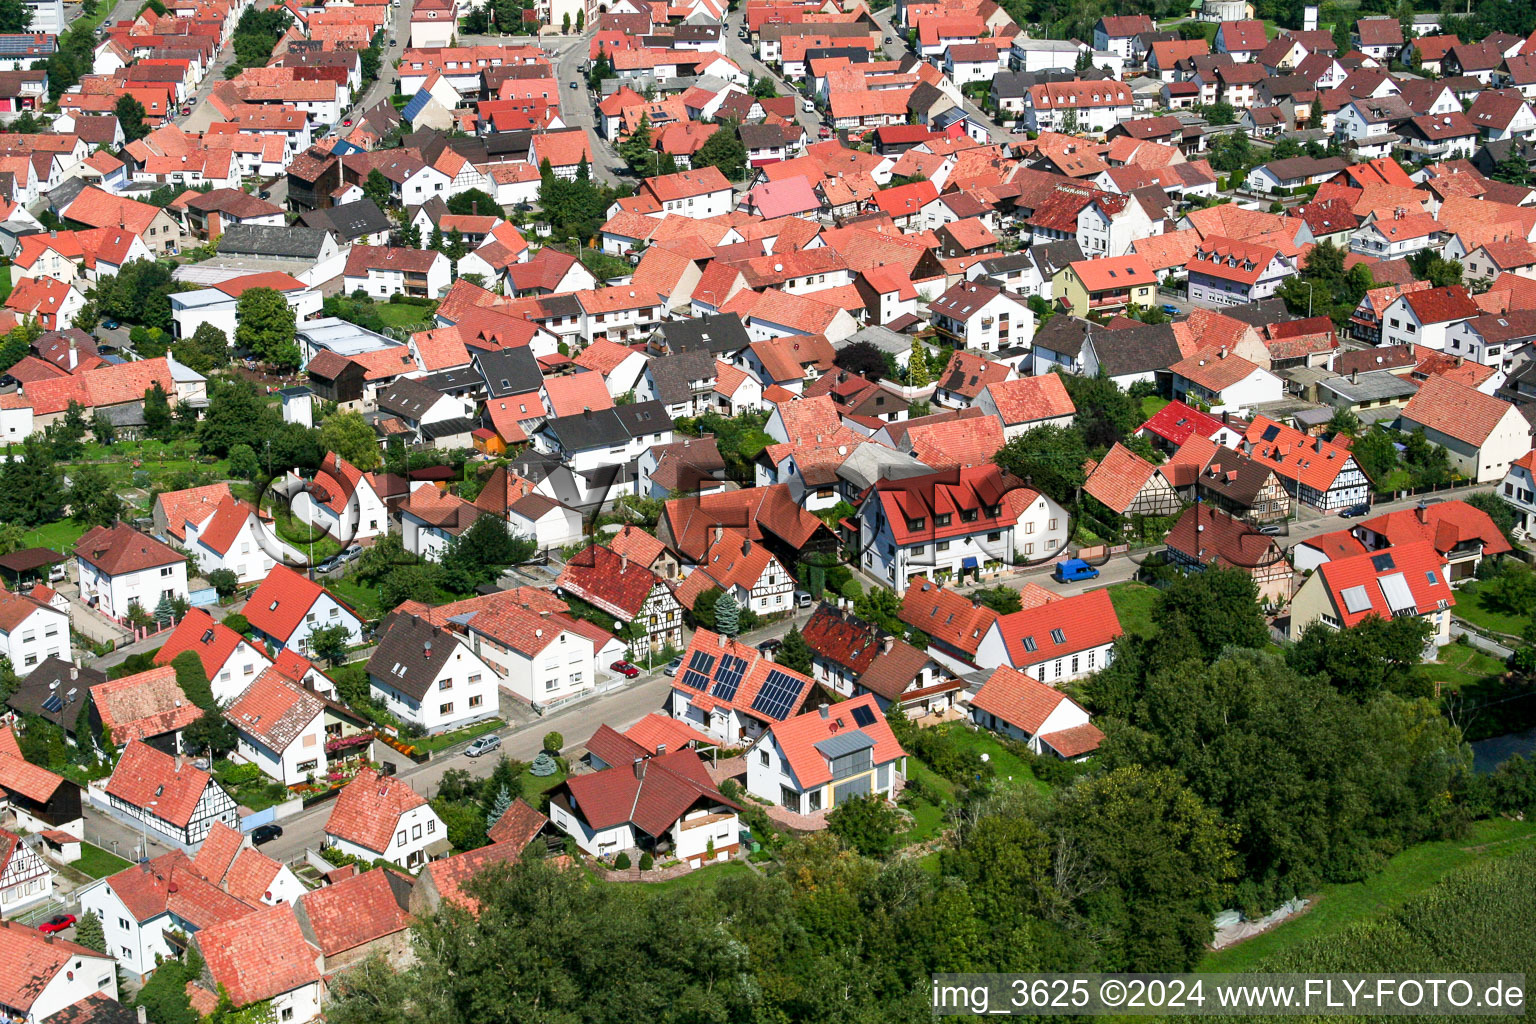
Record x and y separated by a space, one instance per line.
57 923
625 669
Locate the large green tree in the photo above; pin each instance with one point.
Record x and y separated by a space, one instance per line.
1374 655
93 496
129 111
266 327
349 435
1051 458
31 486
724 150
193 679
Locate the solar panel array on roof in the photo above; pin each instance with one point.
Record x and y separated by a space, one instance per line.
862 715
1398 594
778 695
695 680
701 662
1383 562
1355 599
25 44
728 677
54 703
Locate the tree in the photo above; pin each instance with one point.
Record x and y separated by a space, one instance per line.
1105 414
1374 655
1001 599
224 581
474 202
794 653
1376 453
863 359
465 825
703 610
918 374
330 643
1231 153
506 777
205 351
1342 41
1221 113
409 583
211 733
1167 861
727 615
349 435
157 413
1496 509
31 487
93 497
1050 458
869 824
243 462
553 742
1216 608
581 19
130 112
193 680
236 415
1343 422
1514 169
89 933
636 149
102 429
377 188
724 150
500 804
266 327
482 552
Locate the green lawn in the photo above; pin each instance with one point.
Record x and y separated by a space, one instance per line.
403 314
98 863
1460 665
1010 770
1133 604
5 283
1151 405
535 787
363 599
59 536
445 740
312 542
1409 873
1472 605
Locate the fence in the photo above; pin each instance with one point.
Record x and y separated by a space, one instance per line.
1415 492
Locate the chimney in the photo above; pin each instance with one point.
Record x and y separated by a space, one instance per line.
426 650
1223 353
746 546
887 643
721 639
661 748
74 354
74 672
639 766
623 564
1422 511
143 1017
178 761
719 532
474 207
822 708
1354 376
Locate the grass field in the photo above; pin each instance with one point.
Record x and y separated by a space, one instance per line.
1460 665
1408 874
98 863
712 875
1010 770
363 599
1133 604
1472 605
443 741
1151 405
59 536
403 314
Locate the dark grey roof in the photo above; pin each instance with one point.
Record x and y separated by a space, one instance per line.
761 136
434 208
509 371
699 33
409 398
455 381
66 192
924 96
673 375
350 221
35 689
641 418
1135 349
1261 313
1063 335
448 428
847 742
1052 256
720 333
1008 263
272 240
1011 84
559 305
410 653
588 429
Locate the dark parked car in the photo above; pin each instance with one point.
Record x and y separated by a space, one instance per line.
1362 509
109 324
265 833
57 923
769 646
625 669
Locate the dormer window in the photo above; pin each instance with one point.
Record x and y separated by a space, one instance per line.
917 524
942 519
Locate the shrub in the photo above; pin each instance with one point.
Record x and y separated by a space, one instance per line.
646 861
621 861
238 622
730 789
553 742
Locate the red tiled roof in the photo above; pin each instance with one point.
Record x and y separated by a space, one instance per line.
945 615
1028 399
213 641
610 581
1084 621
1455 410
1294 455
575 393
259 956
672 784
1119 477
1114 273
1444 525
279 604
194 503
1177 422
354 911
955 443
753 677
757 510
841 638
369 808
1018 699
520 822
119 549
274 709
797 738
1360 578
143 705
1438 305
656 730
30 961
144 774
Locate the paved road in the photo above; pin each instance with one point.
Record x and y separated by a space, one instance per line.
897 48
740 51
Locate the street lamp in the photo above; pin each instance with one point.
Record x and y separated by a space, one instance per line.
1309 285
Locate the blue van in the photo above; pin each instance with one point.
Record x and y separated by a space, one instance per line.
1072 570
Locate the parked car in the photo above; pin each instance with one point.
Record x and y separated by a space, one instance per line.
625 669
483 745
808 106
265 833
347 123
351 552
1362 509
329 564
574 84
1272 529
1073 569
201 764
1169 309
803 599
673 667
57 923
109 324
264 194
58 573
769 646
824 132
